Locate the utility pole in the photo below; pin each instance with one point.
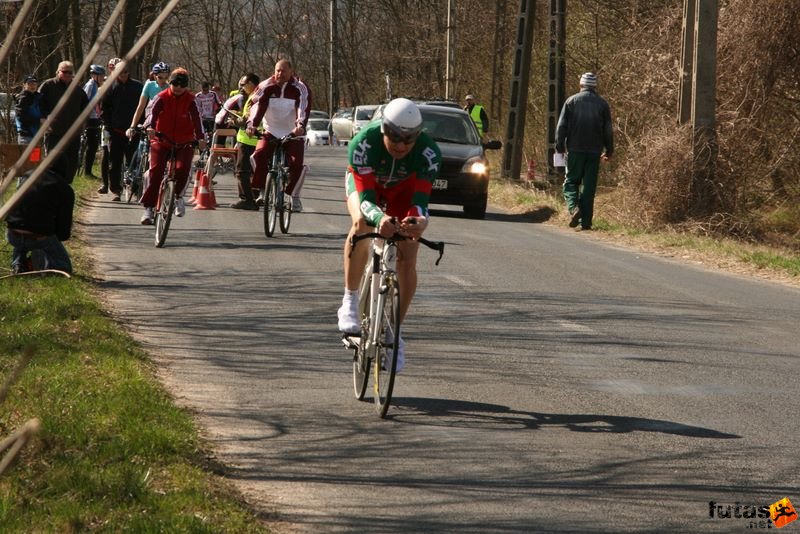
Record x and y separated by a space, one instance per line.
451 53
497 60
520 77
704 112
687 63
556 83
333 93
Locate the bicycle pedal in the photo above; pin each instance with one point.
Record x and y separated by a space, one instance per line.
351 341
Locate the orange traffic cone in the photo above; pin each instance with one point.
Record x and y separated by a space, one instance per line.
210 184
196 189
203 200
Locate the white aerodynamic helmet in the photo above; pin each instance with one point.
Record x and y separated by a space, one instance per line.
401 118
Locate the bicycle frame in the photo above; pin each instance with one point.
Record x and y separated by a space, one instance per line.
381 274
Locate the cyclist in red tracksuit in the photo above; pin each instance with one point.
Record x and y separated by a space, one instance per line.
282 102
175 114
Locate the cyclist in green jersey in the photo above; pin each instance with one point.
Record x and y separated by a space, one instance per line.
392 166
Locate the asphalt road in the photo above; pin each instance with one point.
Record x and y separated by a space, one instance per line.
553 383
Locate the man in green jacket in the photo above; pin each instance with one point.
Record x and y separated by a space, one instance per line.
584 130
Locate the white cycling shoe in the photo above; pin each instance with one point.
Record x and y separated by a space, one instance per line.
348 316
180 207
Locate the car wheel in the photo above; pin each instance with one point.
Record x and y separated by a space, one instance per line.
476 211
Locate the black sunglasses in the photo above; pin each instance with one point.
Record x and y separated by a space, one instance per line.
395 137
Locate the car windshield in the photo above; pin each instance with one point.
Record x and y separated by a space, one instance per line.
318 124
448 127
364 114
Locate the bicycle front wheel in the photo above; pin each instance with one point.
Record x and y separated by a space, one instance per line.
270 205
362 359
285 209
164 212
389 343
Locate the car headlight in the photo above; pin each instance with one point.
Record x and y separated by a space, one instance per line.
475 166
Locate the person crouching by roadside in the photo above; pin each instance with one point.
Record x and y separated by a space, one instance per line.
41 221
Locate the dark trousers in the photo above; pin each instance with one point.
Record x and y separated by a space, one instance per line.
105 165
120 151
244 170
92 144
582 169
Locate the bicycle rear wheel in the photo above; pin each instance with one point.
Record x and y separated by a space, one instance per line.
284 209
362 359
270 205
389 343
165 211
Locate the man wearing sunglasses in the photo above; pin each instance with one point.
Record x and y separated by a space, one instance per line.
53 91
392 166
175 114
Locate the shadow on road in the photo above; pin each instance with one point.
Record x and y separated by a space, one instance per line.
469 414
538 215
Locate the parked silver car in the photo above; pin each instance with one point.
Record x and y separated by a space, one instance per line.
361 117
342 125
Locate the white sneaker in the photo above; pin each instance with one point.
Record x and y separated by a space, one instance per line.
180 207
348 315
147 216
297 206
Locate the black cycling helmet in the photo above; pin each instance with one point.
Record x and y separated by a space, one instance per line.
97 69
160 68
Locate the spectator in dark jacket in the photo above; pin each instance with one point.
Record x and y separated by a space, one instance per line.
28 115
119 105
53 90
584 130
41 221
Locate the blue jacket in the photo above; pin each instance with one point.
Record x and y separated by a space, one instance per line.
27 111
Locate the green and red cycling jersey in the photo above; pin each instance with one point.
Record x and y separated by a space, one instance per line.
402 185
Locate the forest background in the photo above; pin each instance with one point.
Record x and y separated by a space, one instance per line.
633 46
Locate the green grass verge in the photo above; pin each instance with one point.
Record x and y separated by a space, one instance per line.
114 453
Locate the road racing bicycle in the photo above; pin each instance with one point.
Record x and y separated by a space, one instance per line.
377 344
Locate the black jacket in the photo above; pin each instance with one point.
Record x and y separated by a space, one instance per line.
119 104
52 91
46 208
